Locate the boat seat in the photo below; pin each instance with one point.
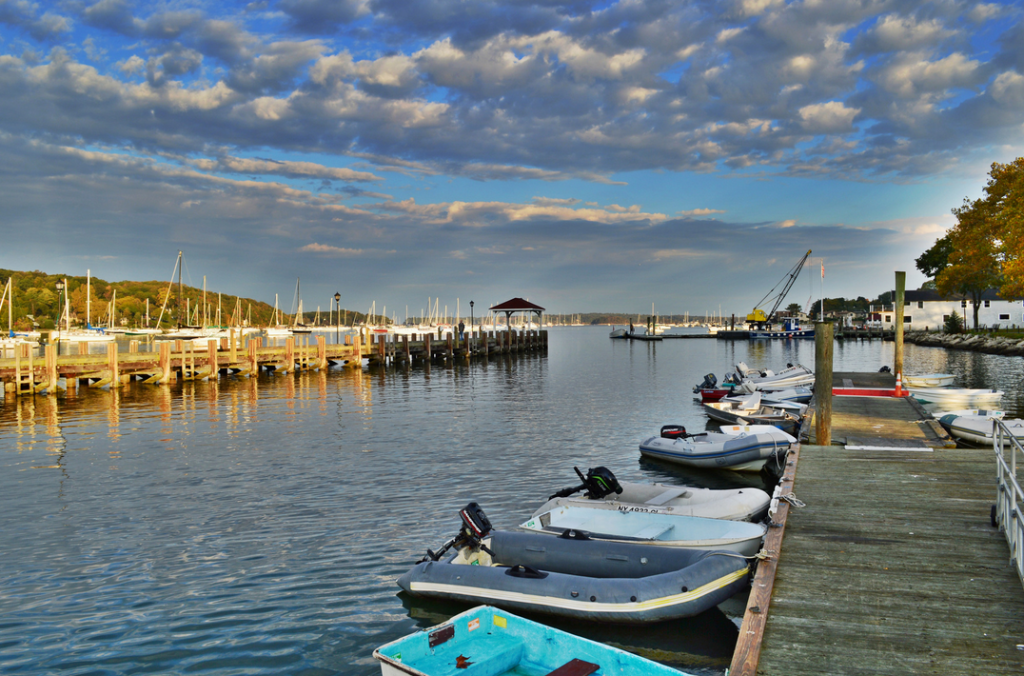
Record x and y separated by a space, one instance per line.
670 494
575 667
652 532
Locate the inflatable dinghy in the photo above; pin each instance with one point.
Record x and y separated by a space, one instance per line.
575 576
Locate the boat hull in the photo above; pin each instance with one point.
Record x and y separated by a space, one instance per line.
734 504
601 521
748 453
979 430
498 642
585 579
957 397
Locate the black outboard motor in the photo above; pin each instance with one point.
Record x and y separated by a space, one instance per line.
475 527
673 432
598 483
710 383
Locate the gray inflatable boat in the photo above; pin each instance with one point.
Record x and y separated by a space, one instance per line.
575 576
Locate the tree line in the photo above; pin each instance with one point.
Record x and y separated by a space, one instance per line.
39 305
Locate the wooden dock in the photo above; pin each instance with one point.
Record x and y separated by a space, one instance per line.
27 374
893 566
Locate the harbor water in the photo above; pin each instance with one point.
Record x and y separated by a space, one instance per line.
258 525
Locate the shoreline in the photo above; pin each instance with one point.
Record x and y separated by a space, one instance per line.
1009 347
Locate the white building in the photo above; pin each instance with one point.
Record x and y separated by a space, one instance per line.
926 310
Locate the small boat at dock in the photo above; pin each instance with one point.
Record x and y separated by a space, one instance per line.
748 449
602 521
575 577
978 428
486 641
957 397
601 486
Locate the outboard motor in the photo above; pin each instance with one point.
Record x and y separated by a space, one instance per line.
673 432
710 383
598 483
475 527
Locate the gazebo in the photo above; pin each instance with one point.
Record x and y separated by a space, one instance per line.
510 307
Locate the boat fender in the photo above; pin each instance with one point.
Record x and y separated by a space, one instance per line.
526 572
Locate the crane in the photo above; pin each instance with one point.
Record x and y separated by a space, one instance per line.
758 319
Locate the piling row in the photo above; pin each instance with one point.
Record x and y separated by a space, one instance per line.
27 374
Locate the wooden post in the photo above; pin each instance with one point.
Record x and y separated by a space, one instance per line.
165 363
254 364
405 348
484 343
232 354
897 362
50 353
289 354
115 375
823 383
83 348
133 347
211 358
357 352
426 347
321 352
449 346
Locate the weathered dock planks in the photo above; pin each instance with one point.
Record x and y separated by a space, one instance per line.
893 566
27 374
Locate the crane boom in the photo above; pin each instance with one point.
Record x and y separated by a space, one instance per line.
758 318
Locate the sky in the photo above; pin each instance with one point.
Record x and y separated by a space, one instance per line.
587 156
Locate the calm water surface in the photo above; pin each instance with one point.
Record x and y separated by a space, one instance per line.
257 526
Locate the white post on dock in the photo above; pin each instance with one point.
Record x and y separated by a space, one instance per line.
901 285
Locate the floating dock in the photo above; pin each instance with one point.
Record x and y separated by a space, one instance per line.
26 374
893 566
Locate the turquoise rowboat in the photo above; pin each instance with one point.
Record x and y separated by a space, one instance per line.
486 641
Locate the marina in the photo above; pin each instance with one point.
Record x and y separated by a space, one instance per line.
261 522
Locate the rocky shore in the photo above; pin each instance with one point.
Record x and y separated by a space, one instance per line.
1012 347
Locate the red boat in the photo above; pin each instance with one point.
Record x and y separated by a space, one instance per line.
714 394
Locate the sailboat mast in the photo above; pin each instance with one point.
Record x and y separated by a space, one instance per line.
179 290
88 299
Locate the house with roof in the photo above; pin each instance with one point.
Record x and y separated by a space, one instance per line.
927 310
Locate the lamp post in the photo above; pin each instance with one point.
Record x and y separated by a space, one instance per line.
471 320
337 324
60 291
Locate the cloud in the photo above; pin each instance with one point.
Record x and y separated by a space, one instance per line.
828 118
699 212
333 251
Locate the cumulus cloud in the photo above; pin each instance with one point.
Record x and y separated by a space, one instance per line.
828 118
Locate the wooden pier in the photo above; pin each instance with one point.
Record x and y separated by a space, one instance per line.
893 566
167 361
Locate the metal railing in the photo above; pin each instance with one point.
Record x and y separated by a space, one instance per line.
1009 516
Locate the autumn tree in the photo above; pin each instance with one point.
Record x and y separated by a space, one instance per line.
1005 202
973 264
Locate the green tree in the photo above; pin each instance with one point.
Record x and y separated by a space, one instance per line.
954 323
973 261
793 308
936 259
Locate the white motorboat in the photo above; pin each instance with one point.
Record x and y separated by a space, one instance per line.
619 334
752 402
748 449
726 412
928 380
600 485
602 521
978 428
957 397
791 376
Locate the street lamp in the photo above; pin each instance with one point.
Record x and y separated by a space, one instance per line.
471 320
60 290
337 324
